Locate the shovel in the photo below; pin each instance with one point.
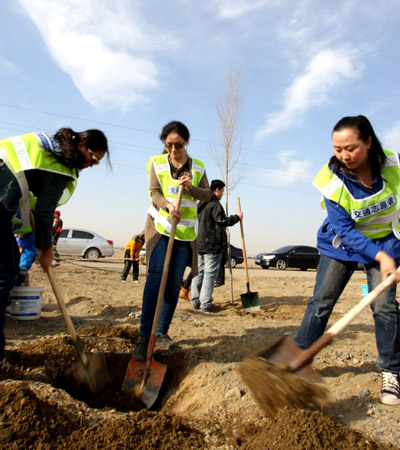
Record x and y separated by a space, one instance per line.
144 379
250 300
88 377
286 370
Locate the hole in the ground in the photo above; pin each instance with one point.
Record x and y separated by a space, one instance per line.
48 358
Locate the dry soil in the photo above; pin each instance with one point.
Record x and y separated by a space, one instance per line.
203 403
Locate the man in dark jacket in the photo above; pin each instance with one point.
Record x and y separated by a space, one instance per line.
212 220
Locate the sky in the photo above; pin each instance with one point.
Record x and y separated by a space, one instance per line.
129 67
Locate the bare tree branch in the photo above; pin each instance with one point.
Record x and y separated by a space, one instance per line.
227 151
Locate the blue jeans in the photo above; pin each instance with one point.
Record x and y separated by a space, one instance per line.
203 283
7 270
332 277
180 258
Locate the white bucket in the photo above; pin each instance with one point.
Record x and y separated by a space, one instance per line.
26 302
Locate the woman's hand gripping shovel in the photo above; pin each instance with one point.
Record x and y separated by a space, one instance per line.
250 300
283 375
144 379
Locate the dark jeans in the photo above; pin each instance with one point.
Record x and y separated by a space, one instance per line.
127 267
220 278
332 277
180 258
8 269
188 280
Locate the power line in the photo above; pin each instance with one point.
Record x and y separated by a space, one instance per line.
258 168
150 132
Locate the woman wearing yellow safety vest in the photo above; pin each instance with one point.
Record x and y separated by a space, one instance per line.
38 170
167 172
361 193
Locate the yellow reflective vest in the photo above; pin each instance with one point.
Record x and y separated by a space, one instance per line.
187 227
31 151
375 216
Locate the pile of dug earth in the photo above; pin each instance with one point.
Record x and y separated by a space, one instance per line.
203 403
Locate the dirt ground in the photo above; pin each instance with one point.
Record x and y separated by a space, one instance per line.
203 403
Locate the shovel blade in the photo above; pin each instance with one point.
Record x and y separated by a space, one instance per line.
250 301
88 381
133 380
285 352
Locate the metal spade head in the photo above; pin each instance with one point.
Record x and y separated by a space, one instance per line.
137 384
88 381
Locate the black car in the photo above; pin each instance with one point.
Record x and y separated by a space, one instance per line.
236 256
300 256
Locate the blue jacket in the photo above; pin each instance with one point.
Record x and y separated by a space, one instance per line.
355 246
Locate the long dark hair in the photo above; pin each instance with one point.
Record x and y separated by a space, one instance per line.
69 139
362 126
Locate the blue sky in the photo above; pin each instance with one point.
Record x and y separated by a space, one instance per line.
128 67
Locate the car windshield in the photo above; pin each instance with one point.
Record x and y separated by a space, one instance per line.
284 249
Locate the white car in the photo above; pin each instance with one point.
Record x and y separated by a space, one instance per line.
89 245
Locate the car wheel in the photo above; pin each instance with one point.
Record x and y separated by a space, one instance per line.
233 262
92 253
281 264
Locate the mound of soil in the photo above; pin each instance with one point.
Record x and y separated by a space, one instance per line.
203 403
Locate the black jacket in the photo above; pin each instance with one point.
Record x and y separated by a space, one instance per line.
212 220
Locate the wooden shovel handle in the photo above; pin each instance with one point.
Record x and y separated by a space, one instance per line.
67 318
166 264
161 291
307 355
243 245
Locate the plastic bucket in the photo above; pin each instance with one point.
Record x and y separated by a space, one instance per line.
364 288
26 302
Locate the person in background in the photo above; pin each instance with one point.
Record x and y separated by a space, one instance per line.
131 256
48 166
220 278
57 227
212 221
361 193
28 253
173 168
185 289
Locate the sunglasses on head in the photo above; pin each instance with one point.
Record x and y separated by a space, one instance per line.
178 146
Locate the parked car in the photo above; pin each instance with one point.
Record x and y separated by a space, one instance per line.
236 256
300 256
89 245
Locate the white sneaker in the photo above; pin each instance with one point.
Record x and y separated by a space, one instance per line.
390 392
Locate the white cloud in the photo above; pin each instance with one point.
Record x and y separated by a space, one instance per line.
232 9
102 45
391 139
326 71
291 170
